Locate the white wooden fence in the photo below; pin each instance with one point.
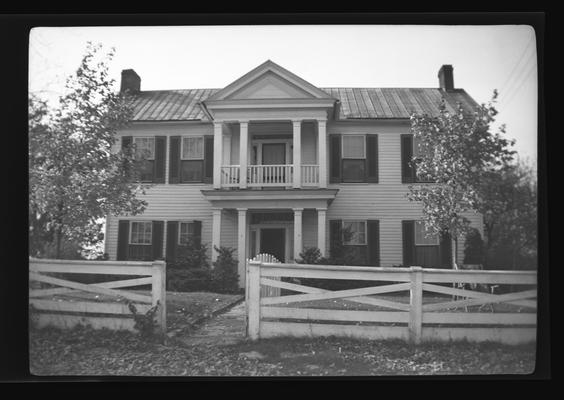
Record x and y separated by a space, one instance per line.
418 318
99 305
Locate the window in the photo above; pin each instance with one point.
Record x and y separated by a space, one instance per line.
418 151
358 232
186 230
192 159
354 158
141 233
423 237
145 154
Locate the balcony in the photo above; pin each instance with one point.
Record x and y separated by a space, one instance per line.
269 175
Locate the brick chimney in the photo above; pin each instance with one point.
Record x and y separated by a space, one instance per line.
446 79
130 81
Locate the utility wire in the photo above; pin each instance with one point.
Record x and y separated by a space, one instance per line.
517 64
510 99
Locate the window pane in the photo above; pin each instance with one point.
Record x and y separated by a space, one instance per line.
353 170
193 148
192 171
186 230
421 239
357 230
146 171
353 146
145 148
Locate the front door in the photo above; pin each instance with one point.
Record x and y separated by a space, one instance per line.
273 241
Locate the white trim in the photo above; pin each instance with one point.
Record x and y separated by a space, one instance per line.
130 228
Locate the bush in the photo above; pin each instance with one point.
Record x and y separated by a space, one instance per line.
190 271
224 276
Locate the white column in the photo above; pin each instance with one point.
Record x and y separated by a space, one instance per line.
297 153
298 244
242 244
216 232
321 229
243 153
217 153
322 152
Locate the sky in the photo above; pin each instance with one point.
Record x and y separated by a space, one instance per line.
484 58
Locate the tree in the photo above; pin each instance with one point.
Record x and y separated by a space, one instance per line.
75 179
456 151
510 216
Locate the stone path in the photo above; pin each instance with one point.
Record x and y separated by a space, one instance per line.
223 329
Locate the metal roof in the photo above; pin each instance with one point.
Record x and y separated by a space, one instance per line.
355 103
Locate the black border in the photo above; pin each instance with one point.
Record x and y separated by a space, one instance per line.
14 30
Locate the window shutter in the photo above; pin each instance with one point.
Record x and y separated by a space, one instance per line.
123 240
174 160
408 238
198 232
335 158
158 228
407 170
334 236
208 159
445 251
372 158
171 240
160 159
373 242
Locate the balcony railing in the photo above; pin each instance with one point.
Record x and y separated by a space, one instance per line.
269 175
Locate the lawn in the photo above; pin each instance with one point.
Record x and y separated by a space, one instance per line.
84 352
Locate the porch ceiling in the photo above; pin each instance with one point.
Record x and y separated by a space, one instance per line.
271 199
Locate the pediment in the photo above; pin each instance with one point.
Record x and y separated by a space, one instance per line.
269 81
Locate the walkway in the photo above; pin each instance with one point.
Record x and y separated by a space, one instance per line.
223 329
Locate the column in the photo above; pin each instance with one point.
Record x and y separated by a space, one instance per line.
322 152
216 232
297 153
217 153
242 244
298 244
243 153
321 229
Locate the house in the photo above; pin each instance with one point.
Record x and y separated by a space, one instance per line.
273 164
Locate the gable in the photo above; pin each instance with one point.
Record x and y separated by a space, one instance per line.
270 86
269 81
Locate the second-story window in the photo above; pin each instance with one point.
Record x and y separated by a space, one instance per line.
192 159
145 154
354 158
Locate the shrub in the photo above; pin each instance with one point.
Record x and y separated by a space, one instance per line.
190 271
224 276
474 250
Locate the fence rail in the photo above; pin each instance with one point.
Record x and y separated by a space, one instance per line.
71 302
397 306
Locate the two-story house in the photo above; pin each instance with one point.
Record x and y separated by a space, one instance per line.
273 164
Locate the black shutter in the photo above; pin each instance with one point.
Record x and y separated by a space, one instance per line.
407 170
158 231
408 239
123 240
208 159
171 240
334 236
160 159
372 158
174 160
445 251
198 232
334 158
373 242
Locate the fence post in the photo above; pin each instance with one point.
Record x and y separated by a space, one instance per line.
158 293
415 305
253 308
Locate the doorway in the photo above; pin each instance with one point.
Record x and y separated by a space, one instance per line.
273 241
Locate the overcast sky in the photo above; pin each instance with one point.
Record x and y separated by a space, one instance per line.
484 58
